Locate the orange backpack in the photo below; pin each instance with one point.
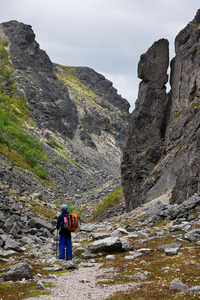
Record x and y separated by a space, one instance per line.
71 221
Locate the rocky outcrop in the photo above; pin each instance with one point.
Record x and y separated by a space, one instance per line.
48 98
144 146
162 149
74 111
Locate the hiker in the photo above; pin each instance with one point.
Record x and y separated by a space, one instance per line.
65 245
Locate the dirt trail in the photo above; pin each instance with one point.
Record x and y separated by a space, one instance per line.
81 285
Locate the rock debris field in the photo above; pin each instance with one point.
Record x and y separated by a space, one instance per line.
153 250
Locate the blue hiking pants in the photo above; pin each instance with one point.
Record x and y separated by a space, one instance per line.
65 248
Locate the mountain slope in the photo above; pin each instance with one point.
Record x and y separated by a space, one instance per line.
62 128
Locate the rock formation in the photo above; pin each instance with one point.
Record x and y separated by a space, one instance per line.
74 112
162 149
144 145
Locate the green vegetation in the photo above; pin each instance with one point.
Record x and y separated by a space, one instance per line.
20 147
57 160
17 145
108 202
155 285
68 77
18 290
61 168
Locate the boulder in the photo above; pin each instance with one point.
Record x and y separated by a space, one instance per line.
145 251
154 209
13 245
18 272
177 285
193 235
98 235
110 244
163 248
187 205
154 63
126 246
39 223
171 251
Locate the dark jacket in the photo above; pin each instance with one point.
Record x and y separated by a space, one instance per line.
63 232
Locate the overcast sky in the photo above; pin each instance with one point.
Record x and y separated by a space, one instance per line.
106 35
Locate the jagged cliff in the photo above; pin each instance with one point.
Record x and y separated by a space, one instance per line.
62 128
162 149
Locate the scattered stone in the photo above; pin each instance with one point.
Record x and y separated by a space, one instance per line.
171 251
121 230
68 265
133 255
53 276
145 251
13 245
87 254
162 248
166 269
40 285
126 246
98 235
110 257
177 285
6 253
106 245
181 227
193 235
95 227
135 235
141 275
195 288
154 209
87 265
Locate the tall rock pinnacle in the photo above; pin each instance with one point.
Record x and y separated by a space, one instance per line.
144 144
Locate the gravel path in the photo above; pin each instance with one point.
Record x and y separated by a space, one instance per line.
80 284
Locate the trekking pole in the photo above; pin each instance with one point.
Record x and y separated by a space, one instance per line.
56 243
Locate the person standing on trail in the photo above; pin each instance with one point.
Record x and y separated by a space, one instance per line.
65 245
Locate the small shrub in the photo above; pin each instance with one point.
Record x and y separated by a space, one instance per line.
40 171
61 168
57 160
30 159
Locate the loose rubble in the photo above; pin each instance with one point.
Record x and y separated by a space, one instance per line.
98 242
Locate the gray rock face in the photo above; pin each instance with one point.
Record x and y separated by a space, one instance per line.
76 113
144 145
162 149
153 64
39 81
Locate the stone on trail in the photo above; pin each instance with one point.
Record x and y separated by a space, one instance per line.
110 244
